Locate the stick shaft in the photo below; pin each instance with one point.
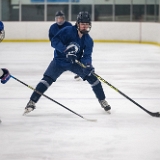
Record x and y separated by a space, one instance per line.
100 78
104 81
46 96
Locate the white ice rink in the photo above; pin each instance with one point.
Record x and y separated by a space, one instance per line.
53 133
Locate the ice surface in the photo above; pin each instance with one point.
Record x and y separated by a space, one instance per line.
53 133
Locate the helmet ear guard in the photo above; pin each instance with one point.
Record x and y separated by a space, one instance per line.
84 17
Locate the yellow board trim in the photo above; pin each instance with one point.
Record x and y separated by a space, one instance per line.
97 41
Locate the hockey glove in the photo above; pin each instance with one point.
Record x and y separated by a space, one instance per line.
71 57
88 70
6 76
71 51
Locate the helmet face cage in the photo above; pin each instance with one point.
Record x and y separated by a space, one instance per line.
2 35
59 17
84 17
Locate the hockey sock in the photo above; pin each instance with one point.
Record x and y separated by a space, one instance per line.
42 86
96 86
98 90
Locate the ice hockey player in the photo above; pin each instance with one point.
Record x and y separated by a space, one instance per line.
71 43
2 32
60 23
4 73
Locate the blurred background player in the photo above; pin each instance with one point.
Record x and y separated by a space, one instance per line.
71 43
60 23
4 73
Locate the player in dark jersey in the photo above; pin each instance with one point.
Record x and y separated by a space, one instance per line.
71 43
4 73
2 32
60 23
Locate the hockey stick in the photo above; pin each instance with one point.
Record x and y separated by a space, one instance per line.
52 99
156 114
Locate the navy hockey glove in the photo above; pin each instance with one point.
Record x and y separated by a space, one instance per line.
71 51
71 57
6 76
88 70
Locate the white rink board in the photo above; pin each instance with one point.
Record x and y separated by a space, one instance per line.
111 31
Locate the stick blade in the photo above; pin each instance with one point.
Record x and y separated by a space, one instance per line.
157 114
91 120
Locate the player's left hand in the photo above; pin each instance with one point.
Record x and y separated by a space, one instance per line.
6 76
88 70
71 51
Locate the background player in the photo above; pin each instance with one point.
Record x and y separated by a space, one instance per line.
60 23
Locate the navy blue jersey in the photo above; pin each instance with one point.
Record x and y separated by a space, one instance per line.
70 34
54 28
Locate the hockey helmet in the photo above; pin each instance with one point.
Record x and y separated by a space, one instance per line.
84 17
59 13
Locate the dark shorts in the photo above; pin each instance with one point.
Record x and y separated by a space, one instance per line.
55 69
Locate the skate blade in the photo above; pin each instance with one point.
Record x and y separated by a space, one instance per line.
78 79
109 112
25 112
28 110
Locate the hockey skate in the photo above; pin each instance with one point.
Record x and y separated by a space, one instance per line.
104 104
30 107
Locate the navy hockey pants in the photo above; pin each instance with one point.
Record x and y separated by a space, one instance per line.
54 70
